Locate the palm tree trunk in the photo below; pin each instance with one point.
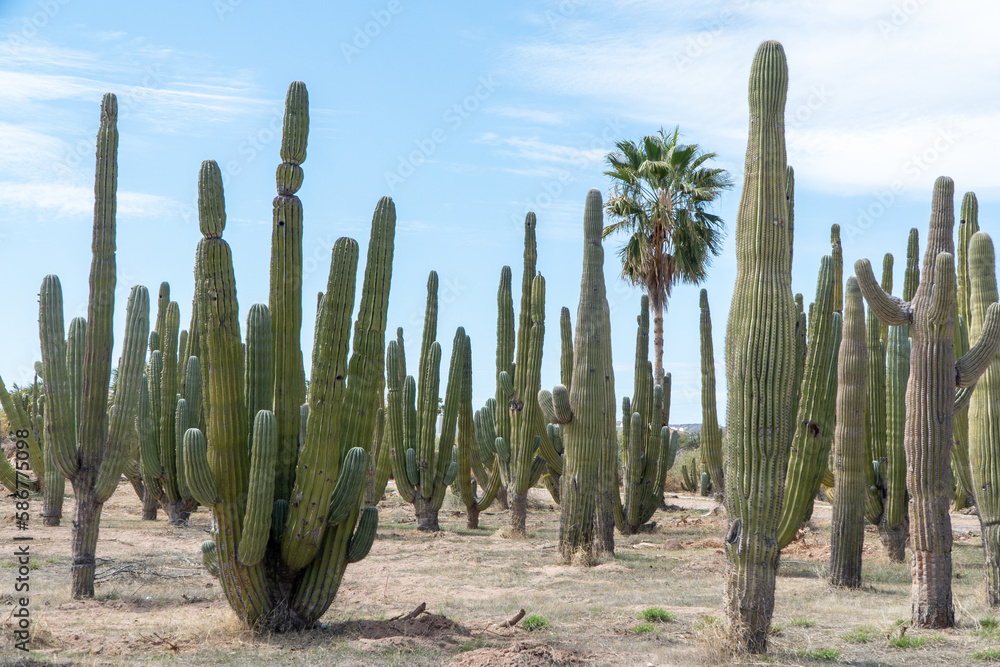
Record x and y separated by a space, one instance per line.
656 304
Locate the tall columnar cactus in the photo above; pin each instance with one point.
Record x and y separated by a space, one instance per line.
15 478
810 448
837 252
517 387
984 418
911 276
170 414
967 227
875 440
646 444
469 466
930 402
759 375
423 464
711 435
282 552
93 460
586 412
847 533
894 526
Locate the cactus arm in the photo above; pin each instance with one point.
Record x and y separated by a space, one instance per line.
259 374
890 310
260 492
149 451
59 432
963 396
130 368
20 421
202 482
364 535
321 449
974 363
395 428
351 480
566 356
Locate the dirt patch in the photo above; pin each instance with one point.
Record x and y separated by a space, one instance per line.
518 654
425 625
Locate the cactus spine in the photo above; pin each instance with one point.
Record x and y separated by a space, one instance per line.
759 376
711 435
984 417
93 460
930 402
587 411
847 534
309 533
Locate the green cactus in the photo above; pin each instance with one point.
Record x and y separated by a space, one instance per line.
984 436
930 402
894 526
470 467
968 226
810 448
93 455
316 494
875 440
413 416
586 412
645 439
170 414
847 532
759 376
689 476
522 428
711 435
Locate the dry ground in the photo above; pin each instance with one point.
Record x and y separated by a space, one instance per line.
155 604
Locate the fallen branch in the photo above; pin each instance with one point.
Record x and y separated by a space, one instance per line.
513 620
420 609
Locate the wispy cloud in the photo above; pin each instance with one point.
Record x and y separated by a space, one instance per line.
873 64
531 115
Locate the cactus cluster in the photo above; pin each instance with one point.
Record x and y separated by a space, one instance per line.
88 447
423 464
289 514
930 401
648 447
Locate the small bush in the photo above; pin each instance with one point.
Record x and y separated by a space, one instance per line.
989 655
534 623
803 622
643 628
656 615
862 635
907 642
706 622
820 653
988 627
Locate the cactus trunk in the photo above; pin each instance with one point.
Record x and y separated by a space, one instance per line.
847 533
760 363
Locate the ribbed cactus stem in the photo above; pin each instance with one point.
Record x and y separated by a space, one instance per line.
759 376
711 435
811 441
847 533
590 399
911 276
837 253
984 435
894 526
285 301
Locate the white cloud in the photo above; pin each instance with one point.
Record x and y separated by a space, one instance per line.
531 115
859 73
61 200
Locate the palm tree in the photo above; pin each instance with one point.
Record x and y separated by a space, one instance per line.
660 197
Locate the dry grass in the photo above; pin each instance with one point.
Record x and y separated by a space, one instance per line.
155 604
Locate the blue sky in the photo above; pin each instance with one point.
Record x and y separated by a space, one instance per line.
468 115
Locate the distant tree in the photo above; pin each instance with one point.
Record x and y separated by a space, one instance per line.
660 197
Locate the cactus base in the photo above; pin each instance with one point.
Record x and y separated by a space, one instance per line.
150 505
894 540
427 515
932 604
518 514
51 520
991 549
86 524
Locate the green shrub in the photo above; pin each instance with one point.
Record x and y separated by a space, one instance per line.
862 635
990 655
803 622
644 627
535 622
656 615
820 653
